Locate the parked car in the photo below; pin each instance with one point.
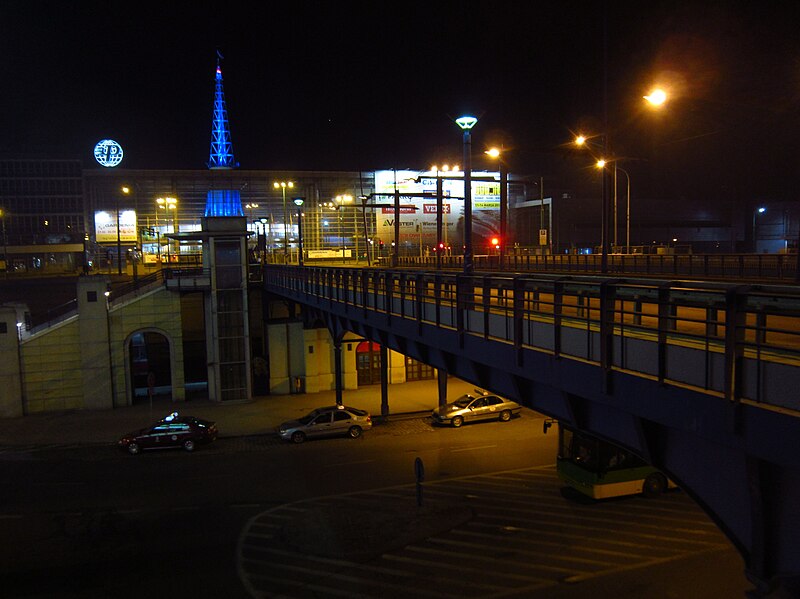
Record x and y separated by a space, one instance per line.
328 421
173 431
471 408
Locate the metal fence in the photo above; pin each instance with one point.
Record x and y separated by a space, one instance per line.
734 341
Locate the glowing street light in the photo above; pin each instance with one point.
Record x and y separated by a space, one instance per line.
441 214
466 123
282 185
125 191
657 97
166 204
299 203
756 212
502 242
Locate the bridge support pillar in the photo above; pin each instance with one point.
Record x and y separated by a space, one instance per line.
384 381
442 380
337 365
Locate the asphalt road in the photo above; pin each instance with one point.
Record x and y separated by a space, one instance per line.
94 522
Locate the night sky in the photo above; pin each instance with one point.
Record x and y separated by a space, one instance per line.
340 86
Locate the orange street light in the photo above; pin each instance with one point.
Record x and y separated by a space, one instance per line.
656 98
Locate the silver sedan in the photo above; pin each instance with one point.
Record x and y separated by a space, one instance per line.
471 408
328 421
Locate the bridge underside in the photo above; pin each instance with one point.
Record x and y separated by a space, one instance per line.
735 460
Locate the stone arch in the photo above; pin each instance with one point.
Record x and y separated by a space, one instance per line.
138 365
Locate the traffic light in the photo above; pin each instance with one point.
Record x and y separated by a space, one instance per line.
495 242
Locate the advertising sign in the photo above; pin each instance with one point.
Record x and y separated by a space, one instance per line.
108 153
105 226
418 207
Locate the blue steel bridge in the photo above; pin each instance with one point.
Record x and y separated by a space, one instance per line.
699 378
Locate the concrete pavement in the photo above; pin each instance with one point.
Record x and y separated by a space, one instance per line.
259 416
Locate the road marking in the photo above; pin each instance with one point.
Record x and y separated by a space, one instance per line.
473 448
349 463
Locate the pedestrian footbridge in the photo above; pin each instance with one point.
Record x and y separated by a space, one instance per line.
700 379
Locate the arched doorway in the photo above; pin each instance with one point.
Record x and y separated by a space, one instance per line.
368 363
149 364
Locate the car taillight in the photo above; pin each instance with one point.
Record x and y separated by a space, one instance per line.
369 418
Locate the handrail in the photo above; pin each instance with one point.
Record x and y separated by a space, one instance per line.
749 267
730 338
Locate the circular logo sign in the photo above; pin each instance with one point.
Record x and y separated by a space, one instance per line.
108 153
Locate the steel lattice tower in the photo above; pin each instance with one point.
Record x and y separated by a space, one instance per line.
221 156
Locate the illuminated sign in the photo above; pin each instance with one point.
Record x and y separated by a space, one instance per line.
105 226
418 225
108 153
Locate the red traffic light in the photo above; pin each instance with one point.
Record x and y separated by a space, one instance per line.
495 241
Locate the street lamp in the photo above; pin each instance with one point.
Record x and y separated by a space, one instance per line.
496 154
582 141
467 123
5 244
282 185
656 98
341 200
263 242
299 203
756 212
125 191
627 206
250 206
441 213
166 204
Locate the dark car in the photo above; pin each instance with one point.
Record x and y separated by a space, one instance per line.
173 431
324 422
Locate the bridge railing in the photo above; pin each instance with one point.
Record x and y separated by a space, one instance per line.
763 267
735 341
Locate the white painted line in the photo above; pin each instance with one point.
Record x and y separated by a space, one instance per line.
349 463
473 448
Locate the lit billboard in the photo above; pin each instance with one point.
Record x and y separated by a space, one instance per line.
418 206
105 226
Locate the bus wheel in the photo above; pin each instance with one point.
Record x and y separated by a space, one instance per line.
654 485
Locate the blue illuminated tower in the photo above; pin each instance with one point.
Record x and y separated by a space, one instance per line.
221 202
224 236
221 145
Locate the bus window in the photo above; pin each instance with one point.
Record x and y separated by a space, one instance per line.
600 469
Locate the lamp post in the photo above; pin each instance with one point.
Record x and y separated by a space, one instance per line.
167 204
250 206
282 185
263 241
497 155
627 205
582 141
5 245
756 212
467 123
125 191
299 203
341 200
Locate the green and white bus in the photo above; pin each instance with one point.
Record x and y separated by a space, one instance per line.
601 470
